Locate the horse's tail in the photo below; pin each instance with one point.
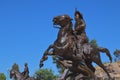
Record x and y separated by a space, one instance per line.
101 49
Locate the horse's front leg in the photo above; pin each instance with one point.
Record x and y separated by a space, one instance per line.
45 55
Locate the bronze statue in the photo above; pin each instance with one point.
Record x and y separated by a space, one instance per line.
21 76
80 34
18 76
26 71
79 29
82 38
65 46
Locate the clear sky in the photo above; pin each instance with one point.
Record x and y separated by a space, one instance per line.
26 28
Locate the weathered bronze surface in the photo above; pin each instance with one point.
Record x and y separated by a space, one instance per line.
73 46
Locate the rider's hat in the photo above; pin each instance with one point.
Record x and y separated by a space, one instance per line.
26 64
80 14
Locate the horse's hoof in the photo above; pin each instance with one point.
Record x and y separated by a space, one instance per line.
41 65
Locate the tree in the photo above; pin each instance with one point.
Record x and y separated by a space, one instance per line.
2 76
94 42
117 54
45 74
15 67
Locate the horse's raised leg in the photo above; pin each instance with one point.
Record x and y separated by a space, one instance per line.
45 55
105 50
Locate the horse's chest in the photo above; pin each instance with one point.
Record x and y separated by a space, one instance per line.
63 38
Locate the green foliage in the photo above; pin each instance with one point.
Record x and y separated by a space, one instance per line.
2 76
117 54
45 74
15 67
94 42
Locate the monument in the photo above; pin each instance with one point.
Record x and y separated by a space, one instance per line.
74 51
21 76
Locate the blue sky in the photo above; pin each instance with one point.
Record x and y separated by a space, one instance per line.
26 28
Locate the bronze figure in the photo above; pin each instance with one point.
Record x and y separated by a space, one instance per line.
21 76
73 45
79 29
82 38
18 76
26 71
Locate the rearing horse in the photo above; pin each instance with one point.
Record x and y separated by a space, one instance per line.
65 46
65 42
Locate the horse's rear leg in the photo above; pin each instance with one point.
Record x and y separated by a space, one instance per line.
91 66
99 63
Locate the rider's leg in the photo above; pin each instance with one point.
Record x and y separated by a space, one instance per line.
79 51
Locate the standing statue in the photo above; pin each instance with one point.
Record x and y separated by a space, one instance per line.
26 71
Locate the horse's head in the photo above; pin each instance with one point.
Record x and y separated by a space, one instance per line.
61 20
12 73
15 74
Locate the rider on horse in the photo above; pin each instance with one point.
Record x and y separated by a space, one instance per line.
26 71
79 31
80 26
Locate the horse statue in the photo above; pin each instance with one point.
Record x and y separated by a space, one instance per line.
65 46
18 76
